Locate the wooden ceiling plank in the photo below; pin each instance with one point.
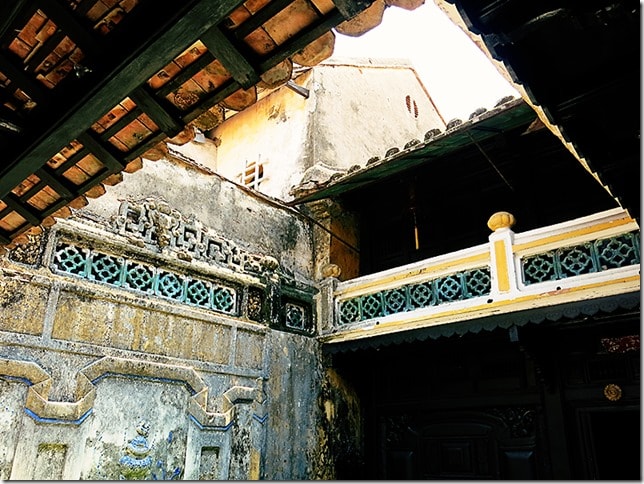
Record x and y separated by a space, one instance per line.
32 191
59 186
75 158
234 62
151 106
14 202
226 89
120 124
94 180
141 148
185 74
301 40
127 76
44 51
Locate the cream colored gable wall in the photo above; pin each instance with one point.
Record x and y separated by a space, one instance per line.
353 113
363 112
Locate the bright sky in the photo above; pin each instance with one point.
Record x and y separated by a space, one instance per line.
457 75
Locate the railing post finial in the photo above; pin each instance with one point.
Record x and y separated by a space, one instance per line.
501 220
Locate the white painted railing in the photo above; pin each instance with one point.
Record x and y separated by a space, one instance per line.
585 258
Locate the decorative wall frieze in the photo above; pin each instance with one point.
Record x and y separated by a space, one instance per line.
261 299
155 224
452 287
43 410
156 251
145 278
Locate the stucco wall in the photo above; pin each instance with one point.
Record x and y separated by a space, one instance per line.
106 376
253 224
273 131
383 105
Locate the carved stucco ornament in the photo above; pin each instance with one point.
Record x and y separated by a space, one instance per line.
154 223
137 465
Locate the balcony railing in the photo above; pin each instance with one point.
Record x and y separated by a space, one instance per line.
586 258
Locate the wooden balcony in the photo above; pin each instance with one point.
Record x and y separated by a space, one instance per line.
585 259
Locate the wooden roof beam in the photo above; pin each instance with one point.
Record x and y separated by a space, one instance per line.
234 62
260 17
15 204
96 147
151 106
302 39
59 186
35 90
184 75
44 51
226 89
351 8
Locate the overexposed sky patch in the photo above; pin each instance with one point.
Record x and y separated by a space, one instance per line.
457 75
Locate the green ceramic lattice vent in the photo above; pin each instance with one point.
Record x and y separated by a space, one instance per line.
454 287
295 316
144 278
593 256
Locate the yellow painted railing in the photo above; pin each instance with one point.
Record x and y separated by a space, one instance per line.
585 258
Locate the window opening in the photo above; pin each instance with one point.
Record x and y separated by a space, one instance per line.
252 175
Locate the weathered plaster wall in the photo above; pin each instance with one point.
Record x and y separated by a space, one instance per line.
219 205
383 105
291 134
105 373
293 386
273 131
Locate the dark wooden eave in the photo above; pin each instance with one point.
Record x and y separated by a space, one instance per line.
79 100
580 62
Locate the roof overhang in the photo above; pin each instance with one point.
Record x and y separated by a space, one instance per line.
504 117
88 87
